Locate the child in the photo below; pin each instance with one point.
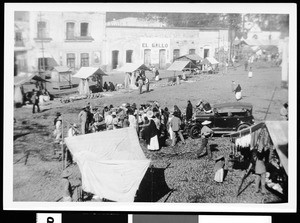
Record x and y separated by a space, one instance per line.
219 168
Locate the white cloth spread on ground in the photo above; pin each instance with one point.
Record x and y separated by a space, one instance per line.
112 163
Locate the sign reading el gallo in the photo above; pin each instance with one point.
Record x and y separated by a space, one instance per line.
155 43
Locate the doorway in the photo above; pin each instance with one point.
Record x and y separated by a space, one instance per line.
206 53
147 57
115 56
162 59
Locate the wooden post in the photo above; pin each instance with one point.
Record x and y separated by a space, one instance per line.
62 143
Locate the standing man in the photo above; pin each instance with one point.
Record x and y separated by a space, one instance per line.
206 132
246 64
140 83
147 82
58 127
83 119
35 101
175 124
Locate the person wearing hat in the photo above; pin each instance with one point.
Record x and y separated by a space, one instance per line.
140 84
73 130
150 132
206 132
83 119
175 124
219 168
35 101
109 121
98 121
58 127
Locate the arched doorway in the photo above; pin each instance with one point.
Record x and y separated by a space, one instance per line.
115 57
162 59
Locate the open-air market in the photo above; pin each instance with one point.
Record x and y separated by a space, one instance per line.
120 107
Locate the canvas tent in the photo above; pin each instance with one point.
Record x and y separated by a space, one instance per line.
61 76
181 65
84 73
130 76
132 67
112 163
210 61
19 81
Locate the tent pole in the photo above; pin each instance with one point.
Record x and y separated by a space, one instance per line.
62 144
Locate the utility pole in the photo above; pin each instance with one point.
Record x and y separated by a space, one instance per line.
42 42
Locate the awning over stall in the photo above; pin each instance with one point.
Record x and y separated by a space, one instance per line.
131 67
179 65
86 72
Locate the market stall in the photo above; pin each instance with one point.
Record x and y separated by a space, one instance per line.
20 96
61 77
210 65
182 66
84 74
130 70
270 137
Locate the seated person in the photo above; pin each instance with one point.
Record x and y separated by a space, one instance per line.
204 106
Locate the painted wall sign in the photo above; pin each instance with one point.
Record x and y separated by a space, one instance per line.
155 45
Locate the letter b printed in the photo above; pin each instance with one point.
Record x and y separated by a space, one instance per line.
48 218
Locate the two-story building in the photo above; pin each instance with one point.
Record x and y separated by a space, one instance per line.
73 39
77 39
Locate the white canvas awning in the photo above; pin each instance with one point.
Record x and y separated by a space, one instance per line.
112 163
210 60
179 65
86 72
19 80
131 67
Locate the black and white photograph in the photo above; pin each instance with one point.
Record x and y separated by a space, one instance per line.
150 107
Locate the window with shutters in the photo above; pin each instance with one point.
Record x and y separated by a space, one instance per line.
71 60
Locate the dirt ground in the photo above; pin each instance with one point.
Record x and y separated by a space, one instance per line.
37 171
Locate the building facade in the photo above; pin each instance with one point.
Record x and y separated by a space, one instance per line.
73 39
159 46
77 39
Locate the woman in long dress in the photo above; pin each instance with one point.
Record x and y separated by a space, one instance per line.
150 133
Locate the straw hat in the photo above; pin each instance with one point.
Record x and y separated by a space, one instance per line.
114 113
149 114
206 122
58 114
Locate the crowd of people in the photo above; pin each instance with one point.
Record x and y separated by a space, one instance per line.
155 125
